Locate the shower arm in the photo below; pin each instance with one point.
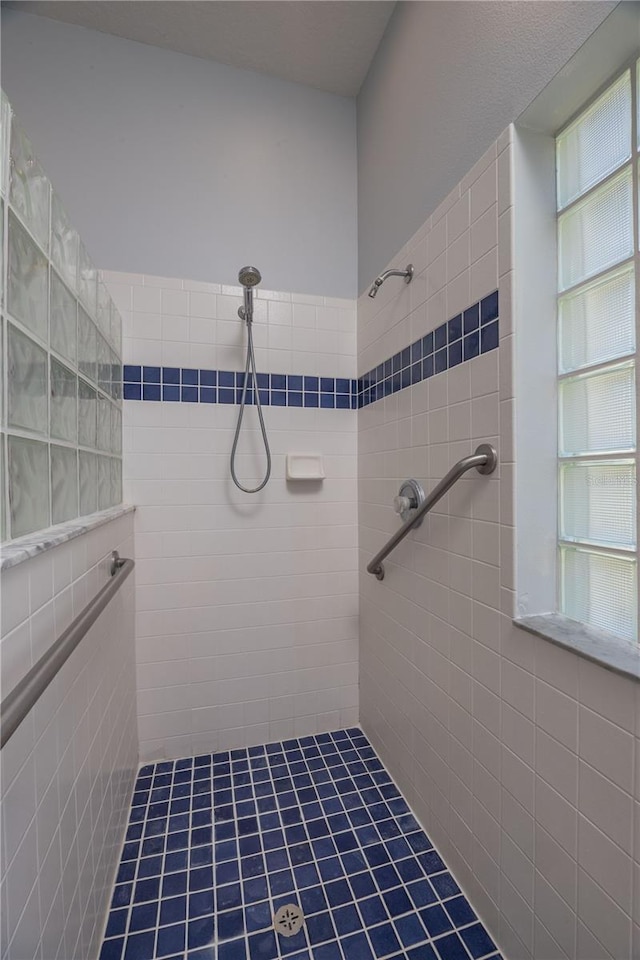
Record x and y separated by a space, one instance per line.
407 273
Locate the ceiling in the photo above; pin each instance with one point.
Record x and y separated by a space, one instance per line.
327 44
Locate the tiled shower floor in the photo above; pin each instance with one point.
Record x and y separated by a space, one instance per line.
216 844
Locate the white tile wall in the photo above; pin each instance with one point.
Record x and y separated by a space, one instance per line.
68 771
522 759
184 323
246 605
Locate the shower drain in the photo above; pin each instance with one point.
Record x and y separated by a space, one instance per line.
288 920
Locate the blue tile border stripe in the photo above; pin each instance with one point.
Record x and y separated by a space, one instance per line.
217 843
469 334
189 385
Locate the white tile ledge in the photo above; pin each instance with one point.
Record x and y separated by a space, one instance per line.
621 656
17 551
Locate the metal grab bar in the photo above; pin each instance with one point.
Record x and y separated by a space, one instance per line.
15 707
485 460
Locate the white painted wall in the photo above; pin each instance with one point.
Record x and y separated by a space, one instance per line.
247 628
172 165
446 79
68 770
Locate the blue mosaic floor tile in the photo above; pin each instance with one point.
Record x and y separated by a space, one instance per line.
216 844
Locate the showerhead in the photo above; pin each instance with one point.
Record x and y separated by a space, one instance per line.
249 276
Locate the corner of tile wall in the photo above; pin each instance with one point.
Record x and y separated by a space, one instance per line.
68 771
505 745
450 575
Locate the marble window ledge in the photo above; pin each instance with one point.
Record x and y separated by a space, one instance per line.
614 653
17 551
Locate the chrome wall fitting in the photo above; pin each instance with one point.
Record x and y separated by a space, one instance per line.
407 273
410 497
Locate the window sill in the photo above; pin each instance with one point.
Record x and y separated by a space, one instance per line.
17 551
621 656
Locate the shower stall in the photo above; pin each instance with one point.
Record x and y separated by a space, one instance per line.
267 687
252 832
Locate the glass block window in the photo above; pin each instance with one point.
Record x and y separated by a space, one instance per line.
597 199
60 356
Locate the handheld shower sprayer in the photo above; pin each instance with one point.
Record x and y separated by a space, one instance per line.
249 277
407 273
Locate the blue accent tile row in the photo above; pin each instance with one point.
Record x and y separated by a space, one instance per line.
187 385
463 337
217 844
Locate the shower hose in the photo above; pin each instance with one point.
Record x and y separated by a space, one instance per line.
250 371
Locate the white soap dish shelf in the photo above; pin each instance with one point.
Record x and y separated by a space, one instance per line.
305 466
